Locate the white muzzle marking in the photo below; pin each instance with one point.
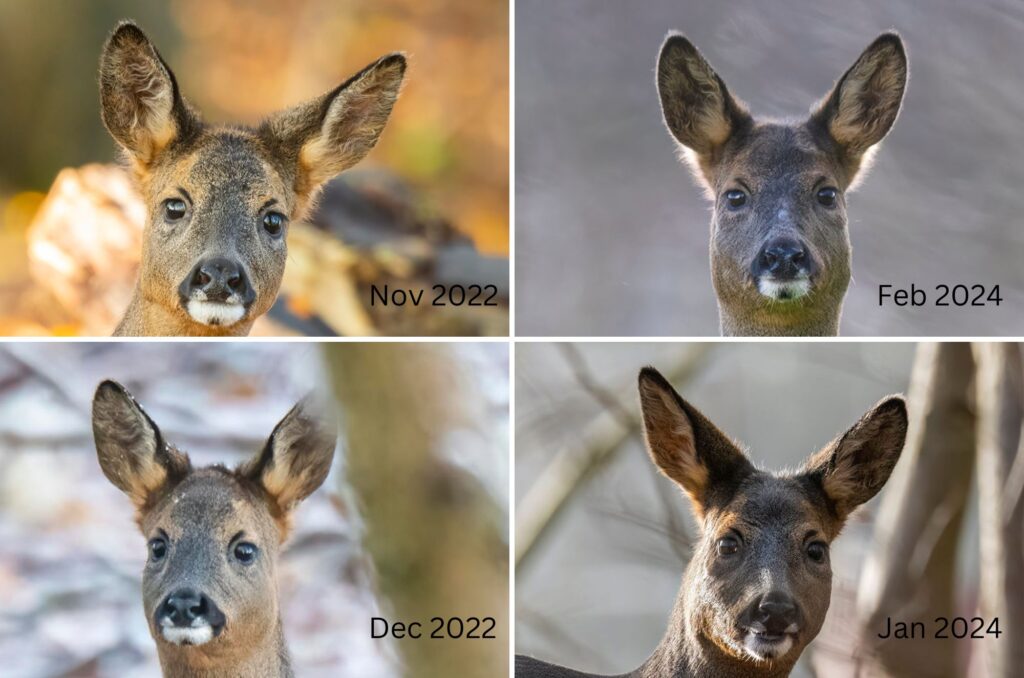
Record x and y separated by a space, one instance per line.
763 649
215 313
787 290
193 635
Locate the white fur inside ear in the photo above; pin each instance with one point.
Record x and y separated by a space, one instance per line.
215 313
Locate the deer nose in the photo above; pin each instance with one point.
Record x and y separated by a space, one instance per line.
184 606
218 279
777 613
782 258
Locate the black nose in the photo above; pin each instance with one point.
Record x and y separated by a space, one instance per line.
781 258
184 606
777 612
218 279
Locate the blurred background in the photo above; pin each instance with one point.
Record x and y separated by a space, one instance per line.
428 205
612 233
71 556
602 539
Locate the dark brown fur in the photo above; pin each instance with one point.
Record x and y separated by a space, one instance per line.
230 177
775 518
780 167
201 514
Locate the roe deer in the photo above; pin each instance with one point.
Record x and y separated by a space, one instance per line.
780 249
209 585
219 198
759 582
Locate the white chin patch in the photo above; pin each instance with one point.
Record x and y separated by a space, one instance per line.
196 635
784 290
215 313
763 649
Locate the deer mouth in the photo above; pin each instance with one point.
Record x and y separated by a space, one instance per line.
765 645
199 632
790 289
215 313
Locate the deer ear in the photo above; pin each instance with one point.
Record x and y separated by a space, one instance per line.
333 132
698 109
131 451
140 102
862 107
686 446
854 467
297 456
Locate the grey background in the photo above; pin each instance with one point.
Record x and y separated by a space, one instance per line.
612 234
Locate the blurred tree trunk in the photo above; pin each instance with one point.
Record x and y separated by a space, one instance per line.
1001 509
435 535
909 573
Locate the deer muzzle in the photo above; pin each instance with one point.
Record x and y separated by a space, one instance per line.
187 617
217 292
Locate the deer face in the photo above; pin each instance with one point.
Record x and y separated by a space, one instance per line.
780 250
759 584
213 534
220 198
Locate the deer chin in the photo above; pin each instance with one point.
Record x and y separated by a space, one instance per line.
215 313
784 290
197 634
767 646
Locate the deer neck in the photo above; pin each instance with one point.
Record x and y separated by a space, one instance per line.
149 318
779 321
266 657
686 652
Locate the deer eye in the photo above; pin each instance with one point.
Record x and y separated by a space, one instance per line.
817 551
727 546
157 549
245 552
735 198
174 209
273 223
827 196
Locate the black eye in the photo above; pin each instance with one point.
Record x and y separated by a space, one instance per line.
735 198
827 196
245 552
728 546
817 551
157 549
273 223
174 209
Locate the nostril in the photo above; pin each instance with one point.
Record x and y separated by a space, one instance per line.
235 282
798 256
200 278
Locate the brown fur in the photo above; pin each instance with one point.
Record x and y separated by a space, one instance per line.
780 167
230 177
202 514
775 519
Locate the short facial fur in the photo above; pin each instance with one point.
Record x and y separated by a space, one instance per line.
213 534
219 198
780 248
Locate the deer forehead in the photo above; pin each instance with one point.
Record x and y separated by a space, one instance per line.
226 166
215 504
772 505
774 152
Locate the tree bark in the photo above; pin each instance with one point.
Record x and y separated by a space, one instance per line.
435 535
1001 506
909 574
